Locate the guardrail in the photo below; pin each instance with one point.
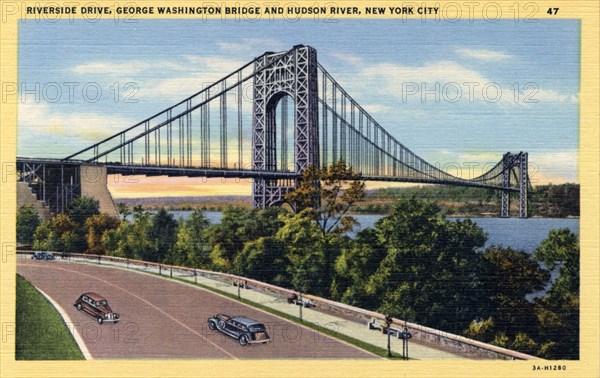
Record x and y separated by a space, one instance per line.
426 335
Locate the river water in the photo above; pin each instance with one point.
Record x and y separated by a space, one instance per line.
516 233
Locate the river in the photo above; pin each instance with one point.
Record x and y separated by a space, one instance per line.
516 233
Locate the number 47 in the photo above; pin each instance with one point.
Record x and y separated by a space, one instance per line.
552 11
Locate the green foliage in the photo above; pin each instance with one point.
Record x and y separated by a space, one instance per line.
432 272
41 333
555 201
510 276
122 209
524 344
27 221
162 234
561 249
96 226
330 192
414 264
130 240
558 311
238 227
263 259
191 247
82 208
482 330
547 327
355 265
59 233
305 243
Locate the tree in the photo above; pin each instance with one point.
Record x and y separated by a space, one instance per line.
561 250
511 275
192 247
330 192
96 226
27 222
432 270
237 227
358 260
307 265
59 233
558 311
162 234
130 240
122 210
82 208
263 259
228 237
482 330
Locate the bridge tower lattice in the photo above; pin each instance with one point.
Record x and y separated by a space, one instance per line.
294 74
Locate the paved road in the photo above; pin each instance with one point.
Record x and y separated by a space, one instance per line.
163 319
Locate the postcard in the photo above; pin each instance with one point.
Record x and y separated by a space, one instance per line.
336 189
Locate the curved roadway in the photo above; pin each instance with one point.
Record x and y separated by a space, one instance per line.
166 319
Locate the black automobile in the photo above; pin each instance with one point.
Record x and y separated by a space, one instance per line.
42 256
97 306
245 330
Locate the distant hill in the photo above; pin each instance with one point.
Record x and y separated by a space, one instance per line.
188 202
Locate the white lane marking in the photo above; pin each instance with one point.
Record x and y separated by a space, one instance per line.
72 328
147 302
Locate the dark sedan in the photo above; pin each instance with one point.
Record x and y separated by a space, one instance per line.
96 306
245 330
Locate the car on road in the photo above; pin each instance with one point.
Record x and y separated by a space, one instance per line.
245 330
97 306
42 256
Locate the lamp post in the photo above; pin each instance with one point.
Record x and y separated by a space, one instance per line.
405 335
388 323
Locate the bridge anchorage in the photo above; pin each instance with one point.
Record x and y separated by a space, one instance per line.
197 138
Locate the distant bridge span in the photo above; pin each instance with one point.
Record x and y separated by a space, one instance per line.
301 116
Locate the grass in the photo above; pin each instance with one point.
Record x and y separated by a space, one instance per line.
41 332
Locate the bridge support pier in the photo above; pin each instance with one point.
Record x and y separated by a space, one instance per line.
511 163
58 184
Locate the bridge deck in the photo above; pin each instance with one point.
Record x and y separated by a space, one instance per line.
151 170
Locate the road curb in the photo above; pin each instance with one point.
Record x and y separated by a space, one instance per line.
72 329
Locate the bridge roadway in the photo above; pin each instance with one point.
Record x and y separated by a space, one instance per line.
244 173
161 318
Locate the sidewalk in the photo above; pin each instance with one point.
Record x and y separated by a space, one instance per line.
347 327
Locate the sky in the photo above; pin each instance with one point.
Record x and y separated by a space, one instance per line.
455 93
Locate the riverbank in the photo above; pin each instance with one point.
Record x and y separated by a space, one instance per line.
545 201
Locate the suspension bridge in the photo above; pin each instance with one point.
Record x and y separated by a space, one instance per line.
269 121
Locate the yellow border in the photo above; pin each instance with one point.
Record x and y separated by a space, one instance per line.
587 11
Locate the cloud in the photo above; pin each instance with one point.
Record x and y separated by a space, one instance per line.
549 95
484 55
128 68
207 70
442 72
40 120
553 167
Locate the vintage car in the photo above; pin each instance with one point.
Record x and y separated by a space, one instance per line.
245 330
96 306
42 256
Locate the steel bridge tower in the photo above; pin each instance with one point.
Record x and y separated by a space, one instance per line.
294 74
520 162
